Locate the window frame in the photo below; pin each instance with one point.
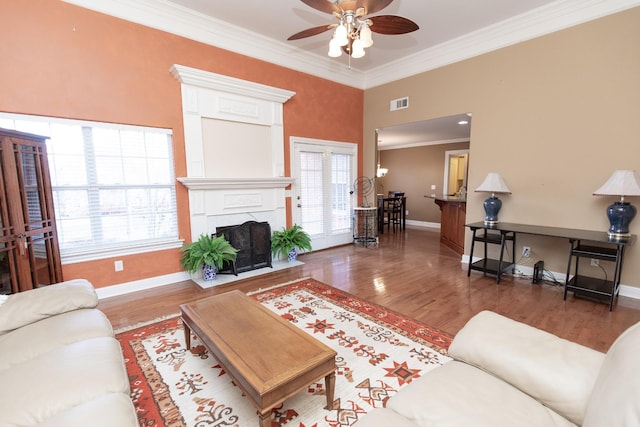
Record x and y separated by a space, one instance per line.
78 254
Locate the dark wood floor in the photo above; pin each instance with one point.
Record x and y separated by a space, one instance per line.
410 272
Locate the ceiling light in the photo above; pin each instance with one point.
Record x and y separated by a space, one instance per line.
365 35
334 48
358 49
463 122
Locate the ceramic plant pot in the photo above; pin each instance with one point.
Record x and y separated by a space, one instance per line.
209 272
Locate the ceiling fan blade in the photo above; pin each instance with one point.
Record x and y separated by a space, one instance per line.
390 24
372 6
311 32
322 5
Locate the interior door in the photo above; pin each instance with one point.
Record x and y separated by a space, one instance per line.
322 204
29 254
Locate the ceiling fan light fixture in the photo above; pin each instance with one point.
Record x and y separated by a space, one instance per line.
341 35
365 35
334 48
358 49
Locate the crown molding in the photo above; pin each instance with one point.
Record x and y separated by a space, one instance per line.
421 144
166 16
207 80
544 20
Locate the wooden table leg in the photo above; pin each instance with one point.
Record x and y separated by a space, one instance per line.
265 418
330 385
187 335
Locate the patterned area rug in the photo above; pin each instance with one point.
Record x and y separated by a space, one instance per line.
379 351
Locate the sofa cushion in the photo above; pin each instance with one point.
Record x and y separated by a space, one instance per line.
456 394
384 417
30 306
112 410
615 401
556 372
40 337
61 379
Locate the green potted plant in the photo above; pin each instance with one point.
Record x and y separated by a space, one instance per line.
208 253
289 241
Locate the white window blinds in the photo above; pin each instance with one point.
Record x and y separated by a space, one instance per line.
113 185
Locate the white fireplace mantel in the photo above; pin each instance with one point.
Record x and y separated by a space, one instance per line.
242 119
234 183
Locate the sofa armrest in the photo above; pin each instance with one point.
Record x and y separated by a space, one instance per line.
30 306
558 373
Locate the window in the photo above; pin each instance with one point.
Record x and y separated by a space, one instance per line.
113 185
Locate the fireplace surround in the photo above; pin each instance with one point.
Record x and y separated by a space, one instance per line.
253 241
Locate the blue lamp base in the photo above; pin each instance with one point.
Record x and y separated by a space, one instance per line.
491 208
620 215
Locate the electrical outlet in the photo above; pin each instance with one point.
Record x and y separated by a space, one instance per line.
526 251
595 262
118 265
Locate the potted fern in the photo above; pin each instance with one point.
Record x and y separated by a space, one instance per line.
289 241
208 253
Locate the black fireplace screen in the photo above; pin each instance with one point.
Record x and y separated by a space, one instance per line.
253 241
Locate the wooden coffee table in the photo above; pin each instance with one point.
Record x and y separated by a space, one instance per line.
267 357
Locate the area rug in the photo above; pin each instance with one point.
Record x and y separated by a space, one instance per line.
379 352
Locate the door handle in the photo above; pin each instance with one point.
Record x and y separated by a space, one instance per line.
299 205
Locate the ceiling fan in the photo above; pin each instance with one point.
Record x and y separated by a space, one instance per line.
353 31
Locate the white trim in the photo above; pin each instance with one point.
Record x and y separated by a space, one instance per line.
124 250
234 183
218 82
166 16
422 144
544 20
447 163
423 224
624 291
141 285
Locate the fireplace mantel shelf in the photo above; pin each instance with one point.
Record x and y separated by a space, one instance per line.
235 183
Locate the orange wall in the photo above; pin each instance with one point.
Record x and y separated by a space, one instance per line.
64 61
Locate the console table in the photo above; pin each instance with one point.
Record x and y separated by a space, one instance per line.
582 243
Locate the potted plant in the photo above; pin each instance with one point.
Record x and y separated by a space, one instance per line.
208 253
289 240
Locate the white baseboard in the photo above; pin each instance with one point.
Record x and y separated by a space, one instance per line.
423 224
140 285
625 290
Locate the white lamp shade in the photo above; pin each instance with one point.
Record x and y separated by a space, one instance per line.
341 35
365 35
358 49
621 183
494 183
334 48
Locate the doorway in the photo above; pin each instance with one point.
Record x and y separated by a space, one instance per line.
323 173
456 169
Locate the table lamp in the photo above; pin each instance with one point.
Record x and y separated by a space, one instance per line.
622 183
493 184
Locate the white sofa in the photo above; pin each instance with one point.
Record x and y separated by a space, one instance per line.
506 373
60 365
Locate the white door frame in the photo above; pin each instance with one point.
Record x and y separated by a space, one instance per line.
328 240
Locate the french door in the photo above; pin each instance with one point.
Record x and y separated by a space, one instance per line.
322 201
29 254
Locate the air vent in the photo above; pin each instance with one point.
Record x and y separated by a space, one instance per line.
400 103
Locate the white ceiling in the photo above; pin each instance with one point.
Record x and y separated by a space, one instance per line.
443 130
450 31
439 21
